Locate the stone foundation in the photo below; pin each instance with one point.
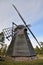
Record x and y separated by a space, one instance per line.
24 58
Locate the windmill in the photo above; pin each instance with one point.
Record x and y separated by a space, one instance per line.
20 46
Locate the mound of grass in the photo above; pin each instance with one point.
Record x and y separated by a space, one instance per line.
35 62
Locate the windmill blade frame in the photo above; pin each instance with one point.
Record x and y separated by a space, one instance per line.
15 33
26 24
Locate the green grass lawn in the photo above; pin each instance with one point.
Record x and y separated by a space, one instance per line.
33 62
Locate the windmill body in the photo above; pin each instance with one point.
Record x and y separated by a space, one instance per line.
20 45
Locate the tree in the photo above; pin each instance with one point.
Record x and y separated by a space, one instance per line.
4 49
41 44
38 50
3 46
1 37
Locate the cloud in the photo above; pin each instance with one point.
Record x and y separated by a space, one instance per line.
31 8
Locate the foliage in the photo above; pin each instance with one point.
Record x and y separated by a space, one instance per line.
3 50
1 37
37 49
42 50
41 44
3 46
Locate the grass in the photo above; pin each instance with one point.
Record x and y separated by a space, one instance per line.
33 62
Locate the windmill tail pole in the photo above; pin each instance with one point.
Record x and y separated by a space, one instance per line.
14 23
25 24
13 27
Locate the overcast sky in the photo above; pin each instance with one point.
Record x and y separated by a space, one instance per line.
32 12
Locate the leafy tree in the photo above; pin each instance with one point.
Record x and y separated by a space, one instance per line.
4 49
3 46
41 44
41 47
1 37
38 50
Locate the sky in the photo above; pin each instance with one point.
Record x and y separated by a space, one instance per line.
31 11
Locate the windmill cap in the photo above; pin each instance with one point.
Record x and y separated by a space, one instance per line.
20 27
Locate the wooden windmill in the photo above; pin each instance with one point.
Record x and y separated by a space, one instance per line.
20 46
